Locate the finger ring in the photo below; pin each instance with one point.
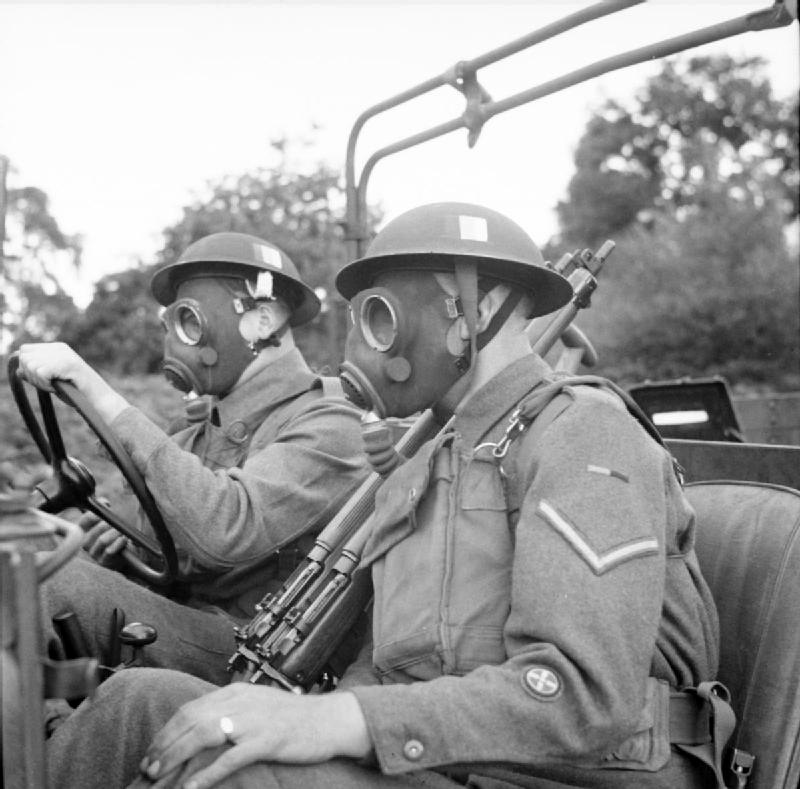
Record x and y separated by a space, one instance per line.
226 724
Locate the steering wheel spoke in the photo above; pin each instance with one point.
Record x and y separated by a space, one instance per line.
55 441
137 537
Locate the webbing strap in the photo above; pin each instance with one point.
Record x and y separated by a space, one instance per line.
527 417
689 719
532 403
506 308
466 276
723 722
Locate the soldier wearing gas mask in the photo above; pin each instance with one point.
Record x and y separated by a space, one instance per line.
538 611
261 462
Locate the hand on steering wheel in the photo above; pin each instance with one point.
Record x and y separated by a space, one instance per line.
103 542
76 485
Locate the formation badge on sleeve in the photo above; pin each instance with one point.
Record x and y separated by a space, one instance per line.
542 682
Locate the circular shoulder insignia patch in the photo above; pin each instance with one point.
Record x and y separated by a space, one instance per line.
542 682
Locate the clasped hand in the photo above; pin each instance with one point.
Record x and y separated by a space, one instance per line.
263 724
42 363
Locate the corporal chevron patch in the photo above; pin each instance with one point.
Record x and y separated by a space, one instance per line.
598 562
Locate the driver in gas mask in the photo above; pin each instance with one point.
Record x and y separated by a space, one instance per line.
258 465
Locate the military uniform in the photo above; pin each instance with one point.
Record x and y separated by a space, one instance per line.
534 647
241 493
548 636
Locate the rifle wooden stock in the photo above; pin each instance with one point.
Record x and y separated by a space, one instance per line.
308 658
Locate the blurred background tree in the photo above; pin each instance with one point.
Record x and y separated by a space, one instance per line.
38 260
120 331
298 211
697 182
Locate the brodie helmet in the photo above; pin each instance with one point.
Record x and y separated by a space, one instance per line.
238 255
433 237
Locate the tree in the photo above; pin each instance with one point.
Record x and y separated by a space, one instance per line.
701 119
298 211
714 293
697 184
37 257
120 330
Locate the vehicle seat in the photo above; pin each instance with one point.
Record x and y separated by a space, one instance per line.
748 545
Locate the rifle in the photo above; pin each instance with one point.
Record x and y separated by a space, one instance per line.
296 630
279 611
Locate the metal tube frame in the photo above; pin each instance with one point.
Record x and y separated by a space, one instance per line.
4 166
480 107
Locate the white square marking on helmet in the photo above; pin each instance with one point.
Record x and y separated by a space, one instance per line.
269 255
473 228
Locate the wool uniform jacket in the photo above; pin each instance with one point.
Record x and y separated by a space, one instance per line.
546 637
252 485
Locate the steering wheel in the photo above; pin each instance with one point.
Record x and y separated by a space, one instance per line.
75 484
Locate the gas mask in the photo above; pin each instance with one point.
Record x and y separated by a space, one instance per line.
403 351
210 334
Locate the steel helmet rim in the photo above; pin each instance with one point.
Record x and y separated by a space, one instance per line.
434 237
196 262
549 290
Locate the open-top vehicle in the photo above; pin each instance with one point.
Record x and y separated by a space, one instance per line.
746 496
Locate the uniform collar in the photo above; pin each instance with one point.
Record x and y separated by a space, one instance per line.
491 403
286 377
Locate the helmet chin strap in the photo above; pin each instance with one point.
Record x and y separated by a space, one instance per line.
466 277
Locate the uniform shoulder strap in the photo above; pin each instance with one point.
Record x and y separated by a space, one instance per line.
516 466
537 410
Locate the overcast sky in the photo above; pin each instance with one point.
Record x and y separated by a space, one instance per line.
122 111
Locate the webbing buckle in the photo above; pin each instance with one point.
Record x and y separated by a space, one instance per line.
741 765
516 425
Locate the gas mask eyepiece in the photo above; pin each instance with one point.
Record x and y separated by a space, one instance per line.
186 319
398 358
378 322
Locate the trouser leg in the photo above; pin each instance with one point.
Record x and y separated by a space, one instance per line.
103 742
196 641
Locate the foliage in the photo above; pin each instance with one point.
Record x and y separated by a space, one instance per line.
699 120
120 330
297 211
696 183
39 256
714 293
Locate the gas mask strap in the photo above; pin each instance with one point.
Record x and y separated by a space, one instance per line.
466 276
499 318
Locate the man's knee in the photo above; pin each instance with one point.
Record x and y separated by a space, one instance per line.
151 692
75 583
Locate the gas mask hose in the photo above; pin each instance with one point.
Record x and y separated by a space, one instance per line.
379 447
